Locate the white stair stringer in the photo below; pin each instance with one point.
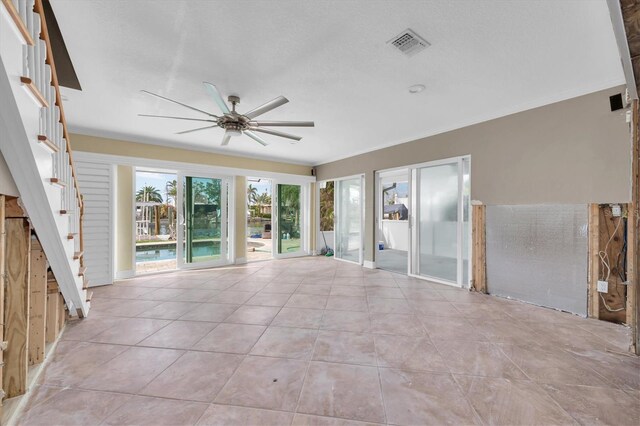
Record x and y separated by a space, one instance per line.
31 167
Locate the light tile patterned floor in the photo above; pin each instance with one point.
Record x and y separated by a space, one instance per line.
314 341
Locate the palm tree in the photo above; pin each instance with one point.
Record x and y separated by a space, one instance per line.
151 194
252 194
172 190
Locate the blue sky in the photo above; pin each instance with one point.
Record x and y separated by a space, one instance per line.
158 180
263 186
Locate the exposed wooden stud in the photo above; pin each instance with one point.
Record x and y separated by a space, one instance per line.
593 308
13 208
16 314
50 145
28 83
62 314
633 234
52 316
15 17
478 236
38 304
2 284
77 255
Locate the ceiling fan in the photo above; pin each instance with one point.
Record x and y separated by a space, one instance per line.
234 123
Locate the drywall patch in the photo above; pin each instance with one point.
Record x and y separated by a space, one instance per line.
538 254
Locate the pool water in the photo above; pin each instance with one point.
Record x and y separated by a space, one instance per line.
151 253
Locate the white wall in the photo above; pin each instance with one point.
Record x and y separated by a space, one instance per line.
7 185
395 234
329 235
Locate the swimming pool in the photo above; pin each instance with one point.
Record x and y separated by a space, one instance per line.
164 251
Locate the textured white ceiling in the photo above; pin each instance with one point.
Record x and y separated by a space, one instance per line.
330 59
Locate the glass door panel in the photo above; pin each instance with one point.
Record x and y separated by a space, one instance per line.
348 234
437 222
204 221
289 219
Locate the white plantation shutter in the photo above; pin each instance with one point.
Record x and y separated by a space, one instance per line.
96 186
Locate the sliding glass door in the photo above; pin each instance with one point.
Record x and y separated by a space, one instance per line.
441 217
349 219
203 233
289 223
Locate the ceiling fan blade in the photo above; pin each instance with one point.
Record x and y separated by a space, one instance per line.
179 103
276 133
283 123
279 101
255 137
196 130
226 139
176 118
217 97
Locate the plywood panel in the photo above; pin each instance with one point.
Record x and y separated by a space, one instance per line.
16 315
38 304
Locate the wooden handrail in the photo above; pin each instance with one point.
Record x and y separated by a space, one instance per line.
44 35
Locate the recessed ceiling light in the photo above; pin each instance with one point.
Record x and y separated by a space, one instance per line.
416 88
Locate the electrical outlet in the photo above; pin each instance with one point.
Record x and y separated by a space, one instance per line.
603 287
616 210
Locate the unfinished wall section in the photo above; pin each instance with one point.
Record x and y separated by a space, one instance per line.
538 254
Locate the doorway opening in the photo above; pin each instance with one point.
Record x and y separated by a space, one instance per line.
393 221
155 221
259 221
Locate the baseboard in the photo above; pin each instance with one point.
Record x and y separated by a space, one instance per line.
369 264
241 260
123 275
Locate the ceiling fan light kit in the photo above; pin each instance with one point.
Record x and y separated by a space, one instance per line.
234 123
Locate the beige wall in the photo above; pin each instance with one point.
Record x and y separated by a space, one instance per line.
124 219
574 151
155 152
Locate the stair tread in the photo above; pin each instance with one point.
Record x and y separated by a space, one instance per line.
78 255
81 271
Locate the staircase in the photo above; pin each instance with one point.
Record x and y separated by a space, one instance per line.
34 141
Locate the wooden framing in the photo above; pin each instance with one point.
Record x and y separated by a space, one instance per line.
611 239
37 304
15 16
633 235
478 236
53 303
13 209
593 308
16 314
2 283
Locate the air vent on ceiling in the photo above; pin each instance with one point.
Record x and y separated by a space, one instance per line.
408 42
